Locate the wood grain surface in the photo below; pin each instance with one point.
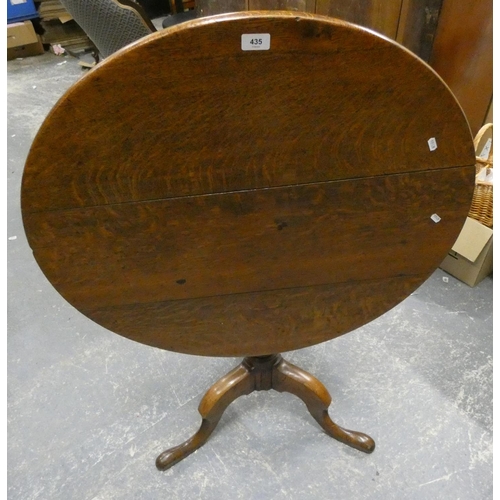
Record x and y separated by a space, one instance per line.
381 15
463 55
204 199
412 23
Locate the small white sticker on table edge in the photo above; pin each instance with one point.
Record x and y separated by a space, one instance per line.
435 217
256 41
432 143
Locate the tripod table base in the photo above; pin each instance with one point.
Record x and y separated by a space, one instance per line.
262 373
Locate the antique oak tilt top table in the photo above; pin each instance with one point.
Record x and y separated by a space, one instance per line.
248 184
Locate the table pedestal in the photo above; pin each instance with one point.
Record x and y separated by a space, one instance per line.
261 373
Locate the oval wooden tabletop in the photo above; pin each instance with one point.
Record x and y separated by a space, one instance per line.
248 184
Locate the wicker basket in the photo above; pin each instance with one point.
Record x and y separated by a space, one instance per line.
482 200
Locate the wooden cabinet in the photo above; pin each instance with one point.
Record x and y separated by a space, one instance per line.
463 55
379 15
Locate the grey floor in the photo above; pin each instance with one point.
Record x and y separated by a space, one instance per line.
88 411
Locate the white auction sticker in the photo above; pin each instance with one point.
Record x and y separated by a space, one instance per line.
256 41
432 143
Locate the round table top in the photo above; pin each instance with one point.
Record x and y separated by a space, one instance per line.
247 184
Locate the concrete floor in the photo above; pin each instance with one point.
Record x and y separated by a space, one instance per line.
88 411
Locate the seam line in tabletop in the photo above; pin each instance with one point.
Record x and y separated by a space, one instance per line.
245 190
250 292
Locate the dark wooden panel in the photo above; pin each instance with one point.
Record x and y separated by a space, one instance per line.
257 240
256 323
463 55
213 7
379 15
297 5
417 26
222 120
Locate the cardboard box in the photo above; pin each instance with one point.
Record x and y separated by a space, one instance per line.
471 258
32 49
22 41
20 34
